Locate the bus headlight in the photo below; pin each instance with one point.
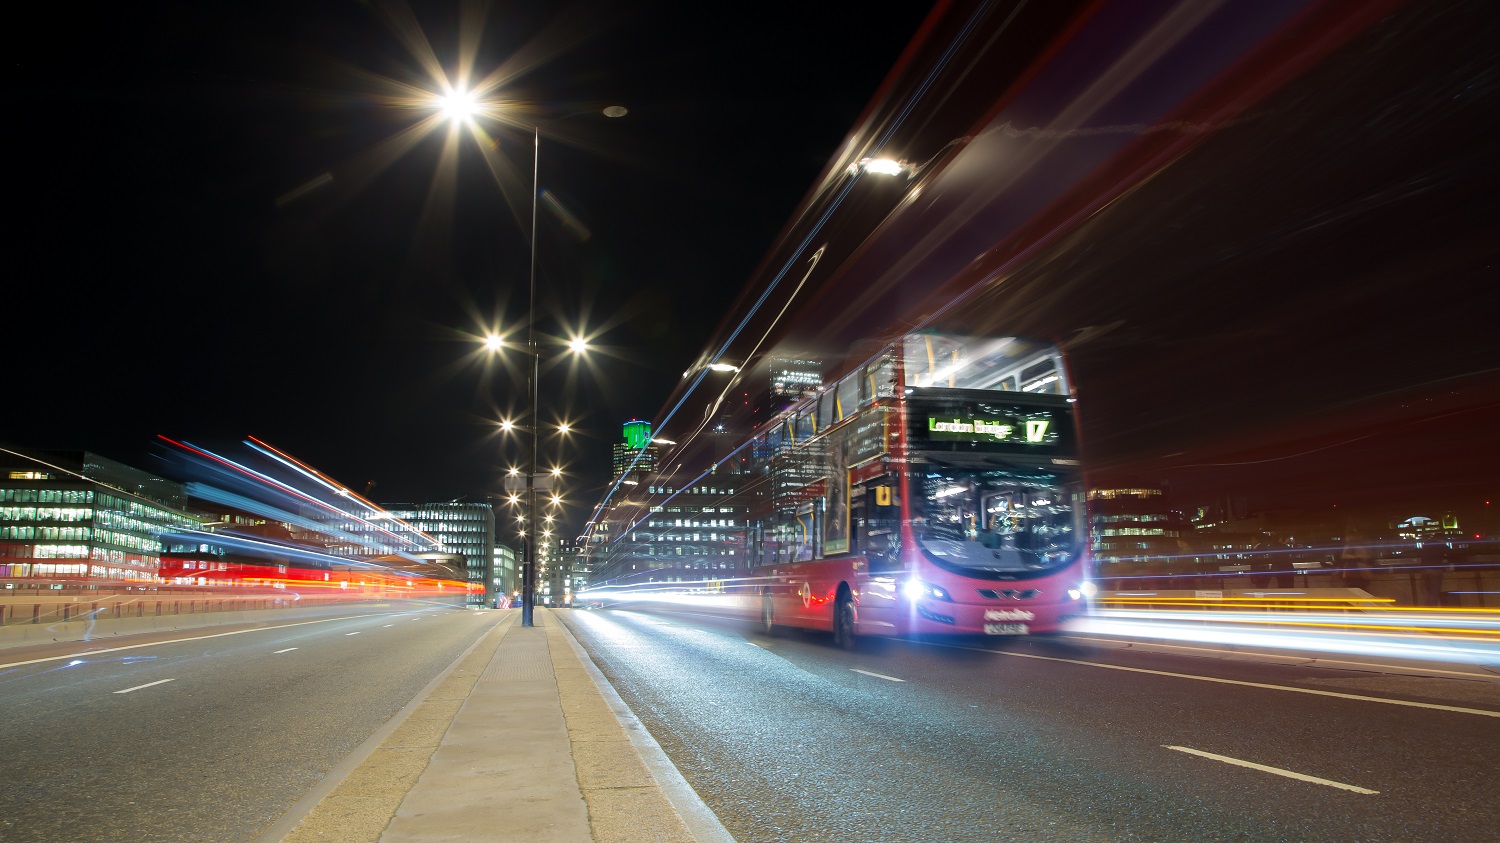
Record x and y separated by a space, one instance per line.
916 590
1084 589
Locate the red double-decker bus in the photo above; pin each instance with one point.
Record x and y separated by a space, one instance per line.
935 487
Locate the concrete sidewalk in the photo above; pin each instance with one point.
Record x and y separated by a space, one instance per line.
522 739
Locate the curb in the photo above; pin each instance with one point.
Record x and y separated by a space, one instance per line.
332 811
488 751
616 817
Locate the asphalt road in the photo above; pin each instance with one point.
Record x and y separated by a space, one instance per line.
208 737
788 738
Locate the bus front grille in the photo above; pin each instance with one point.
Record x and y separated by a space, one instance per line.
933 616
1009 593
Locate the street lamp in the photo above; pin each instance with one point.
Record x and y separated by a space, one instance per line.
460 105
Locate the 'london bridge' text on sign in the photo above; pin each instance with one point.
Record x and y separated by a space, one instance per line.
1033 430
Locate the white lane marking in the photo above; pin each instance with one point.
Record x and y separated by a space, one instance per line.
877 675
351 633
1431 706
387 626
287 650
753 644
1275 770
103 650
147 685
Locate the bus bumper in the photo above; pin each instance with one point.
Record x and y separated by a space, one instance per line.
944 618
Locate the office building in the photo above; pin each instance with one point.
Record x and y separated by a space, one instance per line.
467 529
76 518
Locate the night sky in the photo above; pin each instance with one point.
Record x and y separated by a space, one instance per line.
211 237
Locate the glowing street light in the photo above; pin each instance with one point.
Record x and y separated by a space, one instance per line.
882 167
711 367
459 105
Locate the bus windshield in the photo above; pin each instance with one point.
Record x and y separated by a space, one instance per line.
997 522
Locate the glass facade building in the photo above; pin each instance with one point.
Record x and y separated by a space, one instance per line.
505 579
463 528
78 517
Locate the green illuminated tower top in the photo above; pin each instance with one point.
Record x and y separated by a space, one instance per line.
637 434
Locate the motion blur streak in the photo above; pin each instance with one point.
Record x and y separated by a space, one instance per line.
326 538
1424 636
1437 622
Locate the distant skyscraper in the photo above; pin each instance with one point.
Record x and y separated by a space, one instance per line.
636 453
794 377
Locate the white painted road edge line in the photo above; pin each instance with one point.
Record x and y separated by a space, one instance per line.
1274 770
287 650
351 633
877 675
1266 685
102 650
147 685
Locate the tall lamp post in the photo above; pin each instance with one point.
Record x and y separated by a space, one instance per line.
461 105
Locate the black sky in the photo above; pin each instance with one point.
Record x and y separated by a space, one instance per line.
203 249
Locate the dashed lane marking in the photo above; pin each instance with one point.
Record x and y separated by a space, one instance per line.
1303 777
877 675
147 685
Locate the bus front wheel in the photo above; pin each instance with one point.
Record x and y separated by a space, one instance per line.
767 615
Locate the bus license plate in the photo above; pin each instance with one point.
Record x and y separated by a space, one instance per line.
1006 629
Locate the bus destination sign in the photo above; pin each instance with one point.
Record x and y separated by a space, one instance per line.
1033 431
972 424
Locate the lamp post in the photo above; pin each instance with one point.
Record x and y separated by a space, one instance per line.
461 105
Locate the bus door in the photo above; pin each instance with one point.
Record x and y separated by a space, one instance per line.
807 580
875 519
